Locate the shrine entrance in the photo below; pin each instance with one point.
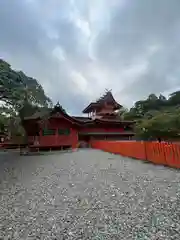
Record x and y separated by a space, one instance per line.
84 141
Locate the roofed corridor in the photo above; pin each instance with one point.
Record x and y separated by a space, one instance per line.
88 194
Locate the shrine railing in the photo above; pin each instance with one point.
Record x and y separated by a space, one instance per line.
158 153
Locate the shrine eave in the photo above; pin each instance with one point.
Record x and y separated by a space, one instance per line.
106 133
86 122
90 107
95 105
114 121
57 112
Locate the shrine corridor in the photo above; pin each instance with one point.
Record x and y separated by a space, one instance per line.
88 194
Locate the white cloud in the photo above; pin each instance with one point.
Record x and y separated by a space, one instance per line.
59 53
80 82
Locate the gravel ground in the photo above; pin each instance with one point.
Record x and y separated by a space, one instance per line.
87 194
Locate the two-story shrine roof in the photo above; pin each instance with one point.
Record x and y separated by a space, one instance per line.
59 112
107 98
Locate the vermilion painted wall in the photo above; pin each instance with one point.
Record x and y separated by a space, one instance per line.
59 140
66 140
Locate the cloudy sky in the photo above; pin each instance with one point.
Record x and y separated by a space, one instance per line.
77 48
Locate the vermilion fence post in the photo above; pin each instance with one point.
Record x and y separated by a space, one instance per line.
158 153
145 150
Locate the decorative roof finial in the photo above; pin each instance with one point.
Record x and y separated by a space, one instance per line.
58 104
58 107
108 90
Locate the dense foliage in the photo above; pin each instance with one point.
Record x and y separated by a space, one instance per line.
20 96
156 117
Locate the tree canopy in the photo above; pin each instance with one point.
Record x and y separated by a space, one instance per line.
20 96
15 87
156 116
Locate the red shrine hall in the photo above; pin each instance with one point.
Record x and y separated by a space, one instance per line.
55 129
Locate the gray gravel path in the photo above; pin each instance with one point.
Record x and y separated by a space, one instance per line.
87 194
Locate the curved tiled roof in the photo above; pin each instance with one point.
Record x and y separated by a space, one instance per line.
106 98
58 111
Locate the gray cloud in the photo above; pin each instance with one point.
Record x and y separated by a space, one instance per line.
19 29
25 43
139 28
78 48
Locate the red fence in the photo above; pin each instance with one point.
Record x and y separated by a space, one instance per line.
158 153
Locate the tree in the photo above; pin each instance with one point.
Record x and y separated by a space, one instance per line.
146 108
174 99
152 97
162 98
15 86
156 116
163 124
21 96
9 82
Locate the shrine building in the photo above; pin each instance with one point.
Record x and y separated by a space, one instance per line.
55 129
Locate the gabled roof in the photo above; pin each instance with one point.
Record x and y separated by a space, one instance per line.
84 119
59 112
106 133
110 121
43 113
113 121
56 112
38 115
106 98
90 107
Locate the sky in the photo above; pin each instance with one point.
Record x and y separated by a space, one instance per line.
78 48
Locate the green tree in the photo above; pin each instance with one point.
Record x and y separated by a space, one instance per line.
165 124
21 96
156 116
15 86
174 99
147 107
